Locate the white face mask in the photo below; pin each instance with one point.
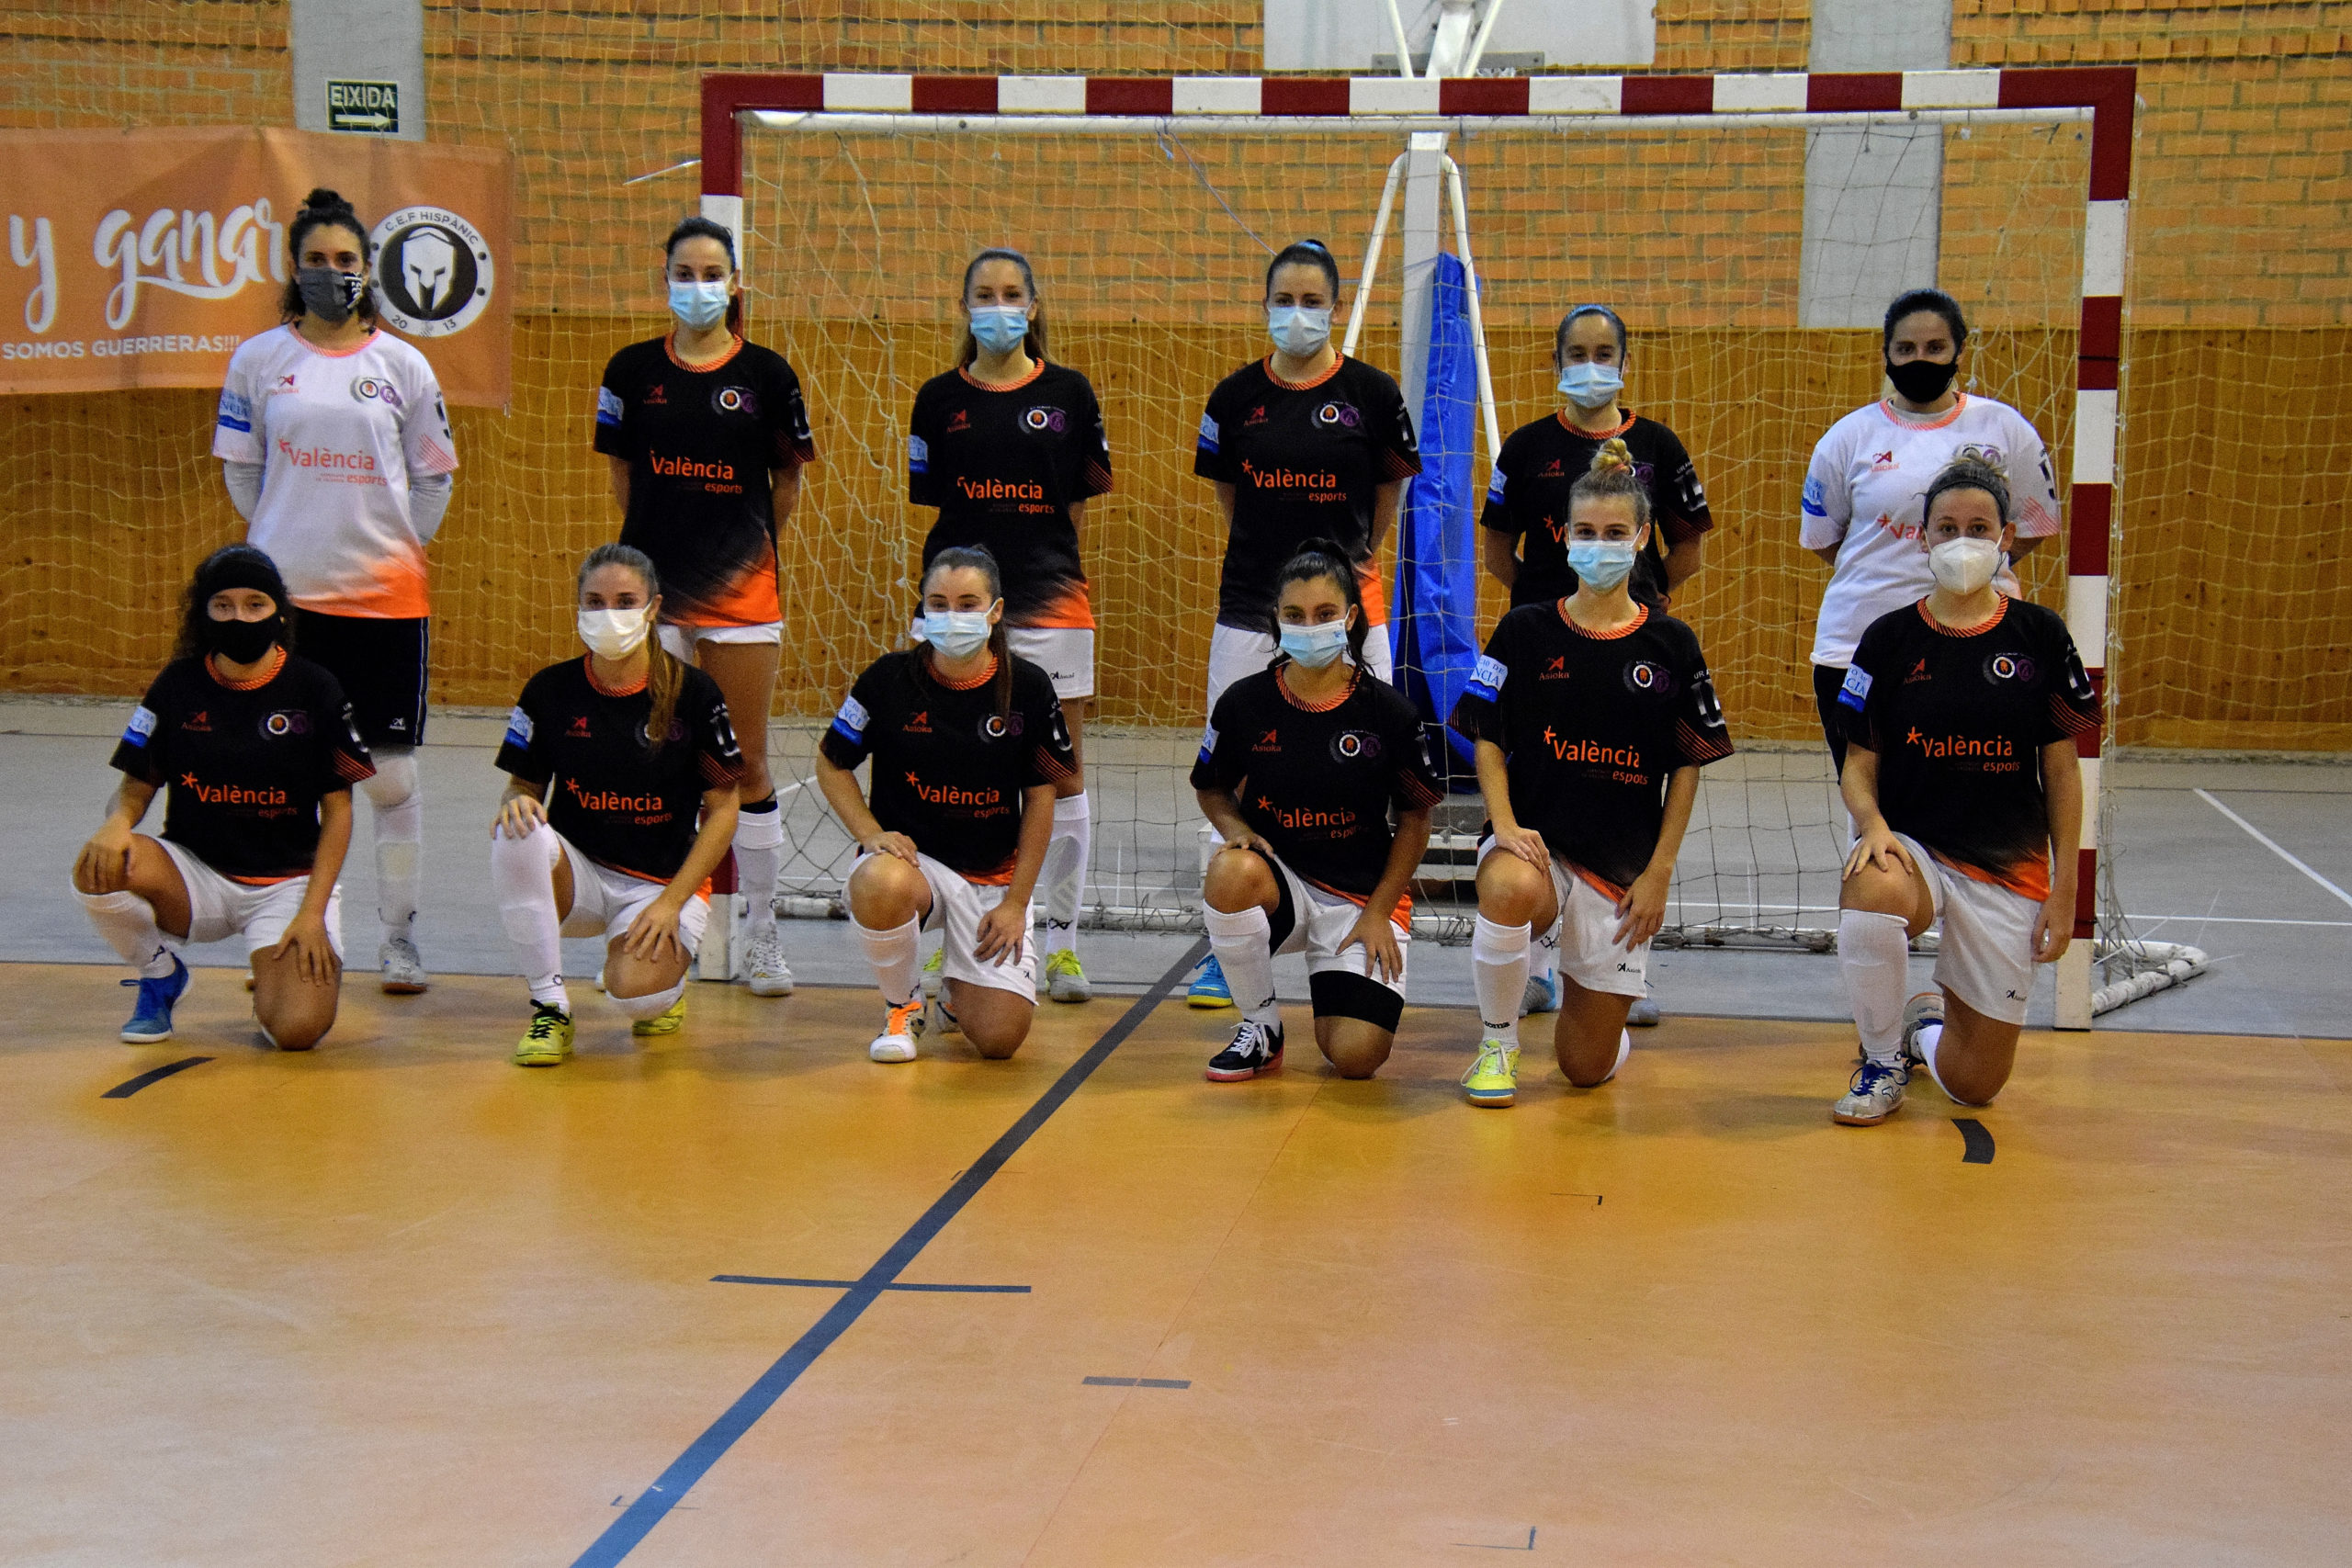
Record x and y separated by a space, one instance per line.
614 633
958 634
1964 565
1298 330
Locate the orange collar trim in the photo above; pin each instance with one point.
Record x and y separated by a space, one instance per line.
1896 417
1281 684
1628 629
257 683
669 347
1594 435
1337 360
1987 625
1037 368
588 664
931 667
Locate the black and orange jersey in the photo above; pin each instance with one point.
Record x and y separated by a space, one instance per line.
1304 461
699 441
244 765
1004 465
1958 718
1319 782
1593 725
620 801
1526 498
949 769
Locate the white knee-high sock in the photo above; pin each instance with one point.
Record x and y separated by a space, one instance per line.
397 796
653 1004
892 952
1874 956
1064 873
1243 942
1498 961
759 856
127 922
1931 1036
522 873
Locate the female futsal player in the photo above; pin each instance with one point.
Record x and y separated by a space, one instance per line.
1962 713
705 435
1304 443
1010 449
1592 715
336 451
609 761
1523 533
1862 493
968 748
259 752
1299 771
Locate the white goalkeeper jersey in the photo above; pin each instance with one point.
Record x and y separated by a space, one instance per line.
1863 495
339 434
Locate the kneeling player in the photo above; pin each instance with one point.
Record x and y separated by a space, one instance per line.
633 743
1961 714
257 749
969 745
1299 771
1592 715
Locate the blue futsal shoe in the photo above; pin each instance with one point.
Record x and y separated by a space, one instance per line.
1209 989
150 1021
1543 994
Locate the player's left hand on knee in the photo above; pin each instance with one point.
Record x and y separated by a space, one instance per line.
1000 935
654 930
1382 958
1642 912
314 959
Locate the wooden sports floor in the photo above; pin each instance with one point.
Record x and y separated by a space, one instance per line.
399 1303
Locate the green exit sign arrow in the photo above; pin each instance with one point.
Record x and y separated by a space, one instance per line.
370 106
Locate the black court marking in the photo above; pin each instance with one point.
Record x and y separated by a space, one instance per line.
130 1087
637 1521
1138 1383
1979 1141
852 1284
1490 1546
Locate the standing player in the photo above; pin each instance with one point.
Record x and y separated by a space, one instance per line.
1962 712
610 759
258 752
1592 716
1304 443
336 451
1299 771
1523 533
1010 448
1862 493
968 747
705 435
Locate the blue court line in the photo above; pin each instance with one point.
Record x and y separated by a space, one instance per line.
637 1521
852 1284
130 1087
1138 1383
1976 1143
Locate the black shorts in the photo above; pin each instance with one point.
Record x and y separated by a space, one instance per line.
1826 679
381 664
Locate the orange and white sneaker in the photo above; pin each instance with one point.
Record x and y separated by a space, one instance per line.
901 1029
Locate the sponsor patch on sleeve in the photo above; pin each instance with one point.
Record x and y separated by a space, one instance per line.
1208 433
1497 485
518 728
851 722
608 406
918 455
141 726
1487 680
1816 499
236 412
1208 742
1856 691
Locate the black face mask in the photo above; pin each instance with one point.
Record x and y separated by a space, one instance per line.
242 642
1922 380
329 294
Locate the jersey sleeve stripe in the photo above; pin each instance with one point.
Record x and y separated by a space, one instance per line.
1418 791
352 768
2070 719
1699 748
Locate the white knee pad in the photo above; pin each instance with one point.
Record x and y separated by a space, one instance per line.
522 873
653 1004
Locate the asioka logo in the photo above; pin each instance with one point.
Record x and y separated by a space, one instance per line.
999 490
2009 666
285 722
1555 670
375 389
1042 419
1343 414
327 461
950 795
1949 745
1568 751
230 794
689 467
613 800
1286 478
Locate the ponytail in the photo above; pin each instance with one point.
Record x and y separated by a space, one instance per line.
1319 559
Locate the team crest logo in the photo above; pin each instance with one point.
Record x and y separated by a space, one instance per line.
1339 413
997 726
2003 667
1648 678
375 389
433 271
677 732
1990 456
285 722
1354 746
736 400
1041 419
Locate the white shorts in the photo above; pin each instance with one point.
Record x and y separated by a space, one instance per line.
605 902
1985 954
1064 653
681 641
1584 931
956 907
219 907
1234 653
1317 923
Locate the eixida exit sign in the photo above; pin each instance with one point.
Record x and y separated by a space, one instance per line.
370 106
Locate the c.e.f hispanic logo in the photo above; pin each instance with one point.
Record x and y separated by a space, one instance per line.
433 271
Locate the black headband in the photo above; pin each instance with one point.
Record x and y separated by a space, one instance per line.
245 567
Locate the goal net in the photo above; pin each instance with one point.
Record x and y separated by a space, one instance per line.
1150 238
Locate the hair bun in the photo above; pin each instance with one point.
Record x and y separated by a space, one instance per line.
1614 456
323 200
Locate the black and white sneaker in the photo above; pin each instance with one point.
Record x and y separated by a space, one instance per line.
1256 1049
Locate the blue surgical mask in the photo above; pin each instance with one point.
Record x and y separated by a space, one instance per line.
1590 386
1298 330
997 328
700 305
958 634
1317 646
1601 564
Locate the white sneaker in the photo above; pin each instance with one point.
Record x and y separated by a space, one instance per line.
937 1019
403 967
1876 1095
1065 980
933 969
770 976
1643 1014
1542 995
901 1029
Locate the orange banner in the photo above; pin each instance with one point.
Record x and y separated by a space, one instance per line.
143 258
